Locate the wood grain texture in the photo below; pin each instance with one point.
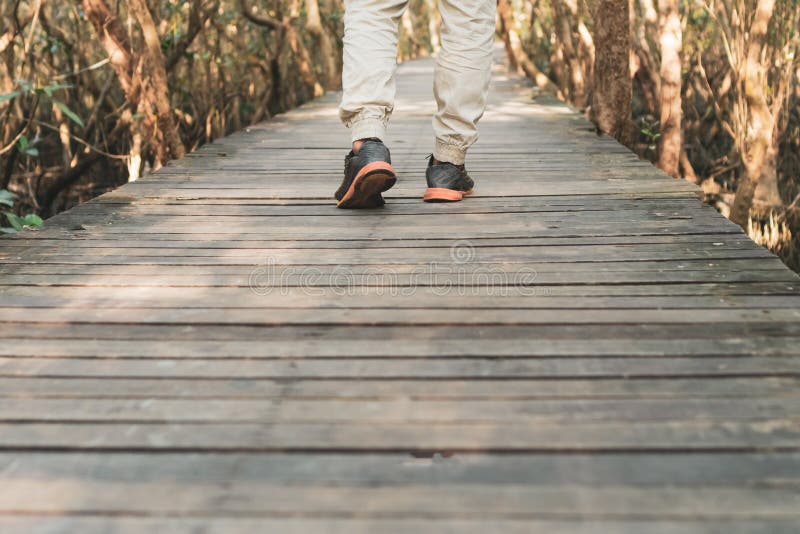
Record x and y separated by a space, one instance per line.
583 347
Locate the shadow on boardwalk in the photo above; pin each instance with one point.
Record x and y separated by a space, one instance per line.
581 347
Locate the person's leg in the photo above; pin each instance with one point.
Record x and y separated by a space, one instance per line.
368 90
461 78
370 61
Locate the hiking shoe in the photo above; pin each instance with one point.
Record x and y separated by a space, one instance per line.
366 175
446 182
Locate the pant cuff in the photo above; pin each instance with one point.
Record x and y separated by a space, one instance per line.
367 127
449 152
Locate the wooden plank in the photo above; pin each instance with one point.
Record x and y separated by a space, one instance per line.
424 297
642 470
408 501
354 389
441 347
469 227
738 261
360 232
676 208
390 316
332 335
730 435
428 300
316 213
523 412
58 236
404 368
320 189
264 279
332 525
666 255
77 232
668 260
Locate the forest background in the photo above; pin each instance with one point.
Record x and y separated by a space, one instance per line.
96 93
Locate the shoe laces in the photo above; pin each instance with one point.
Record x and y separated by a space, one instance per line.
434 161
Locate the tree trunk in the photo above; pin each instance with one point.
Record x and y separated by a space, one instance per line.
760 122
327 52
114 39
514 49
302 58
143 77
611 98
645 64
564 31
670 38
154 77
290 36
586 46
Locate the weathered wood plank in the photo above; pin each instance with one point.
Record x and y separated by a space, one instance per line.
332 335
731 435
643 470
394 368
389 316
428 300
489 345
528 412
355 389
643 378
666 256
50 237
333 525
439 502
424 297
264 279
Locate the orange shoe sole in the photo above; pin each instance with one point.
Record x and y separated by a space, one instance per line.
373 179
440 194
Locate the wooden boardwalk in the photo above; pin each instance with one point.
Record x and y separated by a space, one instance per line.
582 347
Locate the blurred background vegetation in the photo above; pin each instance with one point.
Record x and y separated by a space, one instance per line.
95 93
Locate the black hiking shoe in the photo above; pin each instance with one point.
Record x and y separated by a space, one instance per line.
446 182
366 175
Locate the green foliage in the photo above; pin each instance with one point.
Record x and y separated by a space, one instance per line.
68 112
649 130
9 96
336 16
45 92
26 147
7 198
15 222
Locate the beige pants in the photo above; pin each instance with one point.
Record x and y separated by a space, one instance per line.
461 77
